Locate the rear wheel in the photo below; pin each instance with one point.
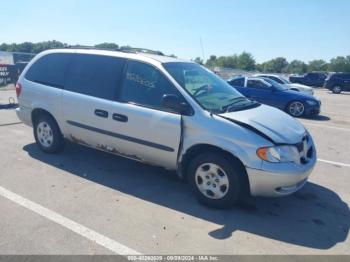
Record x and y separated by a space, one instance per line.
296 109
47 134
216 181
336 89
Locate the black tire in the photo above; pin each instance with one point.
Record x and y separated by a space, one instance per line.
336 89
58 141
233 171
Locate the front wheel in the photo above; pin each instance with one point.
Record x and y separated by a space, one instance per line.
296 109
215 180
336 89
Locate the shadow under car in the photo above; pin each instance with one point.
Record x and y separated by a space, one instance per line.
314 217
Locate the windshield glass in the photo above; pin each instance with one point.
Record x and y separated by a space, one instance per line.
209 90
283 80
275 84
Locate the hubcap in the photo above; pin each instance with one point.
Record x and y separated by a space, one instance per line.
44 133
296 108
336 89
212 181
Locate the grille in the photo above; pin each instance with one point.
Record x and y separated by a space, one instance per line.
305 156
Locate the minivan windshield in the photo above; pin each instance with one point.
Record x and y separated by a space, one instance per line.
209 90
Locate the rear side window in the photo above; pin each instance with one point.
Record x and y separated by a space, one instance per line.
237 82
145 85
95 75
50 70
344 76
257 84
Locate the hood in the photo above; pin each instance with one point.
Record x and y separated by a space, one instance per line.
299 95
273 123
299 86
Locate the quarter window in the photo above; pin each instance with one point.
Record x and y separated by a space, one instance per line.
145 85
50 70
95 75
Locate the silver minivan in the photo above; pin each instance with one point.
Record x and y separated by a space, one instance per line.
166 112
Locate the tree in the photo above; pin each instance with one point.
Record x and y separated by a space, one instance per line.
198 60
111 46
296 67
317 65
246 61
340 64
276 65
211 62
227 61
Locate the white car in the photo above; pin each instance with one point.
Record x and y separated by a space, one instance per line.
167 112
292 86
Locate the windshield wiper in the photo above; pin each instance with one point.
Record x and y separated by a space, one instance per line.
244 106
234 101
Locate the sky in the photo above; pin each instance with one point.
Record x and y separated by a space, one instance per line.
295 29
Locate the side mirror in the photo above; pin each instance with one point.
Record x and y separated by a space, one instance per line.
173 103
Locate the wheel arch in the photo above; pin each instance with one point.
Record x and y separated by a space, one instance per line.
201 148
40 111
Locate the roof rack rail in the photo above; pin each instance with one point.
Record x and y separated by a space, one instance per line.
141 50
121 49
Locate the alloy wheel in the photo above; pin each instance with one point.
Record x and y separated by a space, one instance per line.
296 108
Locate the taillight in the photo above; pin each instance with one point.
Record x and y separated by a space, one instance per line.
18 89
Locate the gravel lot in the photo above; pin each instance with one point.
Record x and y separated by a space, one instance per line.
84 201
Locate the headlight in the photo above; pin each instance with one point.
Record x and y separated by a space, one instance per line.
279 154
311 102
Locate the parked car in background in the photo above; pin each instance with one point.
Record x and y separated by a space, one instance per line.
338 82
292 86
166 112
269 92
316 79
6 74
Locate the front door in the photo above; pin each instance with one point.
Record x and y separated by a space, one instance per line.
142 128
261 91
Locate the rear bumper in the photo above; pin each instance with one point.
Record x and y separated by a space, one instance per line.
25 115
279 179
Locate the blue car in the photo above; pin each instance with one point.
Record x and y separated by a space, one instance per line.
269 92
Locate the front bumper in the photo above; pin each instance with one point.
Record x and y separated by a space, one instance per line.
313 110
279 179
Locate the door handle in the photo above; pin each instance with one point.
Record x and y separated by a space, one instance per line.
101 113
120 118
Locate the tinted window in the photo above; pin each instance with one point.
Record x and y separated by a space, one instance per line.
312 76
95 75
344 76
237 82
50 70
257 84
276 79
145 85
